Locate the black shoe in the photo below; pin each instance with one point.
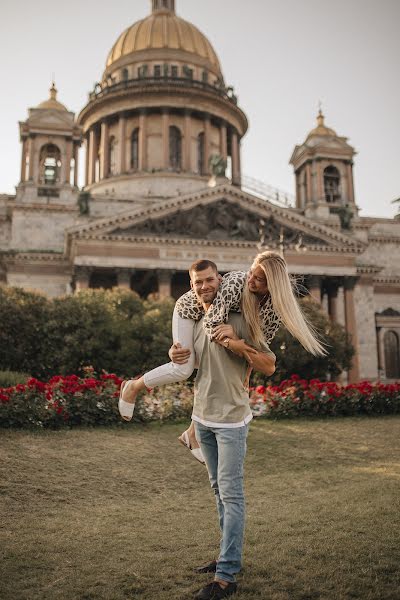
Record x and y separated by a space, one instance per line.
210 567
213 591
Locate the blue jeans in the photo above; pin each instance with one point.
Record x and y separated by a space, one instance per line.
224 450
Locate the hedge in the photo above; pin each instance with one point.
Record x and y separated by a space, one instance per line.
117 331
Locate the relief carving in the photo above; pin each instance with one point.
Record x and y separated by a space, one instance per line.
221 220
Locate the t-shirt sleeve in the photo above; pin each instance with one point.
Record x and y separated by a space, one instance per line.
265 349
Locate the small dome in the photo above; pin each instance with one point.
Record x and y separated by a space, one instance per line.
52 102
321 129
164 30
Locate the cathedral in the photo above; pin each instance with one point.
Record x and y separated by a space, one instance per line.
162 135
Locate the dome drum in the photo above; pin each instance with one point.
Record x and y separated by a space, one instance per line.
124 148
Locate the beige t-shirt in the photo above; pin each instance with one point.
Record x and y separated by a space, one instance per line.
220 396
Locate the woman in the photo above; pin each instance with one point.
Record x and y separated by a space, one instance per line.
265 296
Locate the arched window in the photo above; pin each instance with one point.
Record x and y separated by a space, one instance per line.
332 184
125 74
200 153
112 155
135 149
392 354
175 148
50 164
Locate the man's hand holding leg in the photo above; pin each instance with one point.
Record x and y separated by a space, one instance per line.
179 355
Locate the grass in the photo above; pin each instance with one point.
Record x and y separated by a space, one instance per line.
125 513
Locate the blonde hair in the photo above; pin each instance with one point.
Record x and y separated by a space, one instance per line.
284 303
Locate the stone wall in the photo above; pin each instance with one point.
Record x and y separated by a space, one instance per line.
366 329
35 229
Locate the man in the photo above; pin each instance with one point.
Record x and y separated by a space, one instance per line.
221 413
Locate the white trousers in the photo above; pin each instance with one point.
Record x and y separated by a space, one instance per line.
182 332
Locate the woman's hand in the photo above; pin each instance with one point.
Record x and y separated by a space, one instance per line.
224 331
238 347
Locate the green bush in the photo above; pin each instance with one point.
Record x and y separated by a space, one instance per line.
116 331
11 378
113 330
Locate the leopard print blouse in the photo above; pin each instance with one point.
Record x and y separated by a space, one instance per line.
228 299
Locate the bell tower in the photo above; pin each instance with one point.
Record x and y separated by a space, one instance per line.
50 141
323 167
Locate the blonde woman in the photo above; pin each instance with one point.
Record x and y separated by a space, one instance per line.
265 296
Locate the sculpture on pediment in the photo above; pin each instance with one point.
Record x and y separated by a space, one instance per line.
217 165
346 216
220 220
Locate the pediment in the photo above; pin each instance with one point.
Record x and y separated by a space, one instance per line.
224 214
221 220
51 120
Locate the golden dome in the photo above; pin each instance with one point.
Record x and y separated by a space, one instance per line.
52 102
164 30
321 129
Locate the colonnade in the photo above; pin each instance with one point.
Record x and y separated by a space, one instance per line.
98 137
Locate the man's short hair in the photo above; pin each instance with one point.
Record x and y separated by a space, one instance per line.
202 265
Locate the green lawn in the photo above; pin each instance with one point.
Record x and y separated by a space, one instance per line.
125 513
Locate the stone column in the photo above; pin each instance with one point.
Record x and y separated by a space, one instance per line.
164 283
309 184
239 163
122 144
87 160
320 182
350 183
187 142
124 278
31 157
104 159
76 156
165 139
82 277
23 161
379 350
67 167
332 289
93 152
351 326
314 287
223 142
207 143
142 140
235 159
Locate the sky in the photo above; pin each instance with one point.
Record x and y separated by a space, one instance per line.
283 57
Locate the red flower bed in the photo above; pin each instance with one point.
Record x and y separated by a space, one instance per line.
64 400
296 396
73 401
